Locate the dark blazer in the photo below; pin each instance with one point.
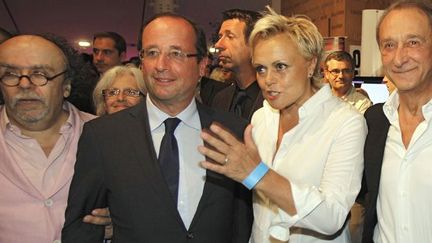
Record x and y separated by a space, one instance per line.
209 88
224 98
378 126
117 167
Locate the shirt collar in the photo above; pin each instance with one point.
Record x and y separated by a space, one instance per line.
392 104
189 116
350 91
311 105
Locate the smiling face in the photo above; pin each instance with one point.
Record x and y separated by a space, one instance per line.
121 101
282 72
171 82
29 106
406 49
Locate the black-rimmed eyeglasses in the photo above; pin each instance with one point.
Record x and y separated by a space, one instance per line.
38 79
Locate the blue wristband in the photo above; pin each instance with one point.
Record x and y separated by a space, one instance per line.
255 176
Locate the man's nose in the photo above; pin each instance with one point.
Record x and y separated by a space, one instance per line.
219 45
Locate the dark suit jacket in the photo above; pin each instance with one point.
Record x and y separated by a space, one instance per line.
117 167
224 98
209 88
378 126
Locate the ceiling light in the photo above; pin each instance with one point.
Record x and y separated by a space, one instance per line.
84 43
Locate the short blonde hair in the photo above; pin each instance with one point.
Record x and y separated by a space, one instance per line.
107 80
298 28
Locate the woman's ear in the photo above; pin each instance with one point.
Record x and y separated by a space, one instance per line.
312 65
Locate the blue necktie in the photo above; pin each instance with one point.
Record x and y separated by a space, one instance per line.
169 157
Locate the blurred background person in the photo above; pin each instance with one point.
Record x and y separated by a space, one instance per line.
119 88
339 73
222 74
244 96
307 193
109 49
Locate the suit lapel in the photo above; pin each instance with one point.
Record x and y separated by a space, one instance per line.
142 143
206 118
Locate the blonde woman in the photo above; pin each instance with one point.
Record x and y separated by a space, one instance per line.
119 88
303 153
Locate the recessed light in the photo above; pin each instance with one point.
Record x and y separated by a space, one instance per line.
84 43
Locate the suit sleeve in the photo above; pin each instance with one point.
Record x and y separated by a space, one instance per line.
87 192
244 214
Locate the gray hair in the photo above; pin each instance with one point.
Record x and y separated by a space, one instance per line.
108 79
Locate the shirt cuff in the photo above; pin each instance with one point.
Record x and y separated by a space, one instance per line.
306 198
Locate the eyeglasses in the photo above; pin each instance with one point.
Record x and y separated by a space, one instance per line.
126 92
174 54
36 78
345 71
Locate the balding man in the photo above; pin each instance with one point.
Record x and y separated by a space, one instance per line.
39 132
143 162
398 149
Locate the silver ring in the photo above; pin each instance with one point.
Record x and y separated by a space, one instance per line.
226 160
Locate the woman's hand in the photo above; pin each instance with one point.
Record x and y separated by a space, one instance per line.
231 157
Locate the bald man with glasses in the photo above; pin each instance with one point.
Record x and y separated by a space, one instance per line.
39 132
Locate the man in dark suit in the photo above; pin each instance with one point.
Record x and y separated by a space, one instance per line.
398 147
156 190
244 96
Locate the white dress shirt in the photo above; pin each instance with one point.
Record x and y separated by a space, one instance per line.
191 174
404 205
322 157
357 99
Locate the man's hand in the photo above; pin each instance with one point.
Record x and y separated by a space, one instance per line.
101 216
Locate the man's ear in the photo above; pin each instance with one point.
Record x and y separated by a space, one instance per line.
202 66
122 56
67 87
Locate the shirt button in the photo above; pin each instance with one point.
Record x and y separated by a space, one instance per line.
405 227
190 235
57 241
49 202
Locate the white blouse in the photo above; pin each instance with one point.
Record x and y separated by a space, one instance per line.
322 157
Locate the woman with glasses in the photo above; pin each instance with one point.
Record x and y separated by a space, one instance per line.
303 154
119 88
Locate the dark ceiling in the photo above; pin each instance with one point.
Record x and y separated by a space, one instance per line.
80 19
